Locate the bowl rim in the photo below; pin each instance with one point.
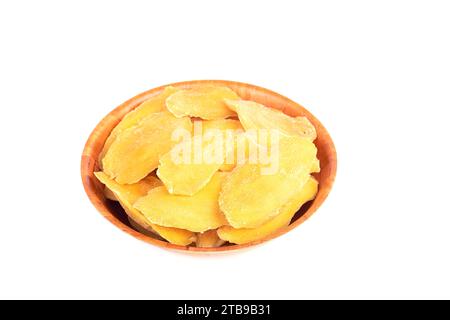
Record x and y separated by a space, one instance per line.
88 165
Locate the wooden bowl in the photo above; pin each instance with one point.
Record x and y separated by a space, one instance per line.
115 214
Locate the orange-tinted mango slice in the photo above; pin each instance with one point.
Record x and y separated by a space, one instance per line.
175 235
251 197
197 213
282 220
152 105
109 194
136 151
127 195
209 239
147 230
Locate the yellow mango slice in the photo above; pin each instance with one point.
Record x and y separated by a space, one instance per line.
189 177
207 152
282 220
209 239
177 236
152 105
197 213
173 235
231 130
237 152
222 124
250 196
315 166
128 194
131 192
136 151
206 102
254 115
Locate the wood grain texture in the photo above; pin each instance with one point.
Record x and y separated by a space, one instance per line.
94 145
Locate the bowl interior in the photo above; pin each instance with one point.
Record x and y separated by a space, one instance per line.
114 212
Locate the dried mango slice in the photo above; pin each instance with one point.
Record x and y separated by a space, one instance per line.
109 194
177 236
136 151
288 210
231 130
254 115
188 176
260 142
206 152
237 151
197 213
131 192
222 124
251 197
173 235
127 195
206 102
152 105
315 166
209 239
148 231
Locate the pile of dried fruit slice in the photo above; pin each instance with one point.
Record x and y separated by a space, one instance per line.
202 167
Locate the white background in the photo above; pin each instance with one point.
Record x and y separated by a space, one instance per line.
376 73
